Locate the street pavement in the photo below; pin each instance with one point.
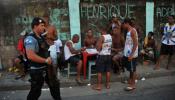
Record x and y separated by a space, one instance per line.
159 88
8 82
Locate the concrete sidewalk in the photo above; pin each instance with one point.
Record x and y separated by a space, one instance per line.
8 82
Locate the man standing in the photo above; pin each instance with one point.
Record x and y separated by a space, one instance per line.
89 40
38 56
73 56
117 49
130 52
103 62
168 41
51 35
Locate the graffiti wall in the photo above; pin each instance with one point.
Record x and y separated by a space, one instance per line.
17 15
95 13
163 8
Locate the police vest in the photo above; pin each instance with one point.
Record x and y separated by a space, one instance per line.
42 52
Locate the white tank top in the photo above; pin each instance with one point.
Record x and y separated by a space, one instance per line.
129 45
67 53
168 36
106 46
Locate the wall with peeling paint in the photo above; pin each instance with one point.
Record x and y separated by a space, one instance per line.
17 15
163 8
96 13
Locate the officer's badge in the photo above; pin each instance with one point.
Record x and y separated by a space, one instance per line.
28 41
40 20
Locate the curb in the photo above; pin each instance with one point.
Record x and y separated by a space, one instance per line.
26 85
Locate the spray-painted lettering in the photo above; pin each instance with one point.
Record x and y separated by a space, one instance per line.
163 11
106 11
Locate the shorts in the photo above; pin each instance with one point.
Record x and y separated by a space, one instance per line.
130 65
103 63
74 60
166 49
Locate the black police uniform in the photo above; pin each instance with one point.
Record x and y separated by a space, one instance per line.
39 74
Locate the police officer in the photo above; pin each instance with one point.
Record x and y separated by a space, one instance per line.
38 57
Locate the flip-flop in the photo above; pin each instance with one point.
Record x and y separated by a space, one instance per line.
129 88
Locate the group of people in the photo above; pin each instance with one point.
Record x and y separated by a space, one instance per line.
111 47
116 46
150 47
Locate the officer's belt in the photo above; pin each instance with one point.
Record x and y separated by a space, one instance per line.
42 67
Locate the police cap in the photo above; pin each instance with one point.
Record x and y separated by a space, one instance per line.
37 21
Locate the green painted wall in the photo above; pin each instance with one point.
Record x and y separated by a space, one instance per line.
149 17
74 17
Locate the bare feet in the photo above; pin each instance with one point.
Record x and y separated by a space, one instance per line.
107 86
156 68
96 87
129 81
79 82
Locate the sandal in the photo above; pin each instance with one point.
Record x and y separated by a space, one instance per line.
129 88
